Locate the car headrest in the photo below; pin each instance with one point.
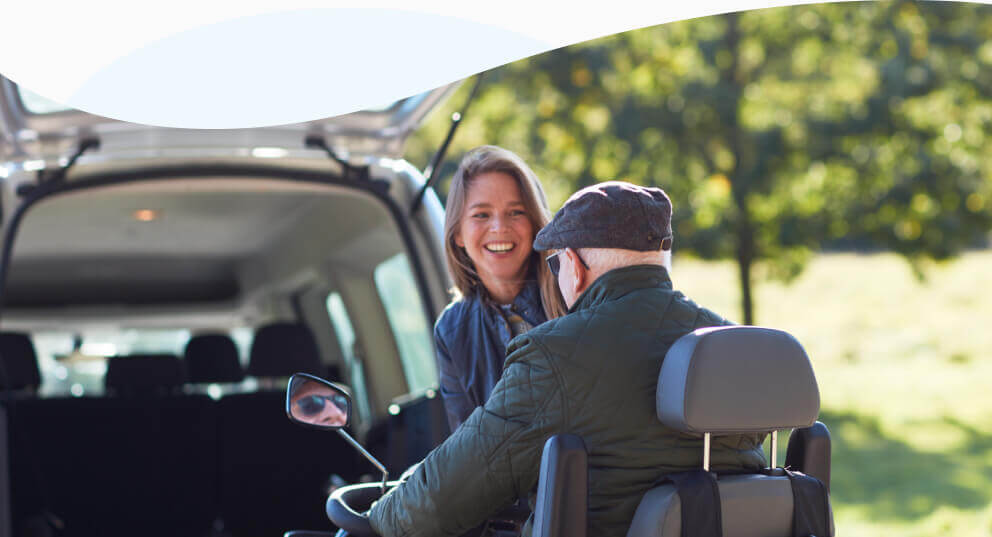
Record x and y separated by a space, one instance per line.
212 358
281 349
737 379
19 362
144 374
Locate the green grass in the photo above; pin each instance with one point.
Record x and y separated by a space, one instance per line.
904 370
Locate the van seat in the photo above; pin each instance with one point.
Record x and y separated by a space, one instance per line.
414 427
212 358
281 349
116 467
274 474
20 363
144 374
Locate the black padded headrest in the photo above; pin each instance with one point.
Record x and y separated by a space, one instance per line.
212 358
20 363
737 379
144 374
281 349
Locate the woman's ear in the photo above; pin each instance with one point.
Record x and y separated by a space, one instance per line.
458 239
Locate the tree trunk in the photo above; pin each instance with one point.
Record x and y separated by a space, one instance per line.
745 259
740 180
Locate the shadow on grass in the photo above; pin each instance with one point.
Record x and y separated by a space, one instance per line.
892 480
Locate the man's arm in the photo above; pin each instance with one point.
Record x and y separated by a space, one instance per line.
489 462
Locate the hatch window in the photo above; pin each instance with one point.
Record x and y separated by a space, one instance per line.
75 364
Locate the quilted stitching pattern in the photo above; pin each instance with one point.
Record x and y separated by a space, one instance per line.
593 373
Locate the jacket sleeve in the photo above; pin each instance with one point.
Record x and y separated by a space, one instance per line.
456 401
489 462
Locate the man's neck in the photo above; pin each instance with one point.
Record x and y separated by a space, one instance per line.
595 273
595 280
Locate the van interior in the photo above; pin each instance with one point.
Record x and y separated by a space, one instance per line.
148 329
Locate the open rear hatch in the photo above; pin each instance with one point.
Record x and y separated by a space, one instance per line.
36 133
39 141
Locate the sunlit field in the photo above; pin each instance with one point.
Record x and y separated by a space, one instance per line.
904 369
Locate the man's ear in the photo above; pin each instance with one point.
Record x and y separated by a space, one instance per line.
580 275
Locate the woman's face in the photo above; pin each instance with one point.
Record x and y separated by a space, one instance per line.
495 229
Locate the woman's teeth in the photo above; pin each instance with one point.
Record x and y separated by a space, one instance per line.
499 247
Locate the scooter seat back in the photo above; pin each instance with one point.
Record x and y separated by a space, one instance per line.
731 380
753 505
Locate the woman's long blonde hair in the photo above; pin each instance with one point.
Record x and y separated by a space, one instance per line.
486 159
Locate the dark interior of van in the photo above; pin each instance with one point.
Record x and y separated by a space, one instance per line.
193 440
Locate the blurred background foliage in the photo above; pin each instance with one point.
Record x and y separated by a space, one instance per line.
777 132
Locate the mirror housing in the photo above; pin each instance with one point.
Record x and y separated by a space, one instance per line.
314 402
317 403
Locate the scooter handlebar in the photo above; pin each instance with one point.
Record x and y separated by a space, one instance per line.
345 507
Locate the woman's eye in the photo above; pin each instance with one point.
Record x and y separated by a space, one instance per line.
480 216
517 213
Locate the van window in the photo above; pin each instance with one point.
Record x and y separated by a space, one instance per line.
346 338
400 296
75 364
243 337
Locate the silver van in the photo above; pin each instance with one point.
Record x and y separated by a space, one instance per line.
159 285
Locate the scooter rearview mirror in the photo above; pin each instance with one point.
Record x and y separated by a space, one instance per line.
317 403
321 404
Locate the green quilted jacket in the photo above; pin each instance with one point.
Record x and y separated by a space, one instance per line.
593 373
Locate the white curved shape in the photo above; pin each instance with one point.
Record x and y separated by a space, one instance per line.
190 63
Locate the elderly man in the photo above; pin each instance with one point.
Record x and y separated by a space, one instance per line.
592 372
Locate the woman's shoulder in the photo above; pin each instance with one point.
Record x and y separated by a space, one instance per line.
454 313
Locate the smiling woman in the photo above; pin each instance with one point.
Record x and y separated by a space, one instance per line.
497 234
495 207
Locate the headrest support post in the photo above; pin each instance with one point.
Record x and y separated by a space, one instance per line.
774 455
706 452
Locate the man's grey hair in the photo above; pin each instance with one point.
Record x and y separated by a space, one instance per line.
602 260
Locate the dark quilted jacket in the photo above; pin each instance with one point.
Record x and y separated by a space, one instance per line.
593 373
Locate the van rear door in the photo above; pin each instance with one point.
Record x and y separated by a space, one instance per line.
35 130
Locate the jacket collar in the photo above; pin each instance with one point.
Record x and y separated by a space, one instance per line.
621 281
529 295
527 302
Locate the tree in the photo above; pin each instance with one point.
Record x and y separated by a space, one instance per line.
775 131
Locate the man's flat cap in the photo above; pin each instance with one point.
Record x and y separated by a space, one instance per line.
613 214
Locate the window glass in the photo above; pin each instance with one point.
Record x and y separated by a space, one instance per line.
400 296
243 338
76 363
346 338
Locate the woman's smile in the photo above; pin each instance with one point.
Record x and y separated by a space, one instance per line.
497 233
499 247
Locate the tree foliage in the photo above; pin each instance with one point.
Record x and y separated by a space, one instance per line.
776 132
